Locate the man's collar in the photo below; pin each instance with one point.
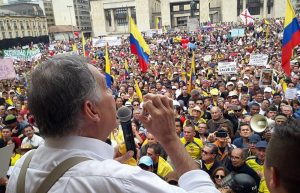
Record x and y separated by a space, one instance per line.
83 143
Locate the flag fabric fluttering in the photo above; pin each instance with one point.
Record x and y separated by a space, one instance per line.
192 74
246 17
83 42
268 29
138 46
126 68
291 37
107 68
138 92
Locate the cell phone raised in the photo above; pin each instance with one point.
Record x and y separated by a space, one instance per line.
221 133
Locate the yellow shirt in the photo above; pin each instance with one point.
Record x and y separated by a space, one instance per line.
208 166
163 167
14 159
131 161
193 148
260 170
9 101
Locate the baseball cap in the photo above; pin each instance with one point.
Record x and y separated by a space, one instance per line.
262 144
233 78
214 91
229 83
10 108
254 138
9 119
146 160
246 77
232 93
128 104
267 89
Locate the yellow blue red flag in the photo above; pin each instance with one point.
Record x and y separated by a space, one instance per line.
138 46
291 37
107 68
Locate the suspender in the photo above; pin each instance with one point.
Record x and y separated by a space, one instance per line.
52 178
21 178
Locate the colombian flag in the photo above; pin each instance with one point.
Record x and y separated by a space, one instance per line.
107 68
138 46
83 42
192 74
126 68
291 37
138 92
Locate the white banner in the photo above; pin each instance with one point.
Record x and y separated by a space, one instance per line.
7 70
237 32
227 68
112 41
258 59
27 55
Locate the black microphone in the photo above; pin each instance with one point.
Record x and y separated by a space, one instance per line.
124 114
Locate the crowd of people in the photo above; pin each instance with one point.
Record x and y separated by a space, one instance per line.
213 112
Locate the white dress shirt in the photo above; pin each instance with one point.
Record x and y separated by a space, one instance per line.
101 174
35 141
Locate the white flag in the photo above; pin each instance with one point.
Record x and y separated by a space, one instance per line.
246 17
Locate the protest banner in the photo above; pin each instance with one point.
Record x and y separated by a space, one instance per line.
227 68
101 42
291 93
27 55
237 32
7 70
258 59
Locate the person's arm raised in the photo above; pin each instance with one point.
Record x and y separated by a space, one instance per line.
160 121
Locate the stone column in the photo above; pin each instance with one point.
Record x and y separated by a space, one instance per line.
98 18
165 13
229 13
265 11
204 11
128 12
143 15
244 4
113 24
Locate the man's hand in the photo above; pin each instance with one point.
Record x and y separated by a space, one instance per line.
159 119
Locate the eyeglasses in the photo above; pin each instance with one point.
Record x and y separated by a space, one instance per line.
219 176
199 103
238 110
205 152
136 105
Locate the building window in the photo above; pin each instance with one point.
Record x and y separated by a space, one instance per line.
10 35
23 33
17 34
3 35
181 7
121 16
254 7
181 21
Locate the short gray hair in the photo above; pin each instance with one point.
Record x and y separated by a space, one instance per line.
59 87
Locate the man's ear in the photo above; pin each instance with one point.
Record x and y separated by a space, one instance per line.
91 112
272 177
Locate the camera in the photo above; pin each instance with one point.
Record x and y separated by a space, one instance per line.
221 133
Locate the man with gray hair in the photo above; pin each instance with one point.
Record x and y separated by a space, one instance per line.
75 112
216 119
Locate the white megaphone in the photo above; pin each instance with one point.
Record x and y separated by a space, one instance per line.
259 123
